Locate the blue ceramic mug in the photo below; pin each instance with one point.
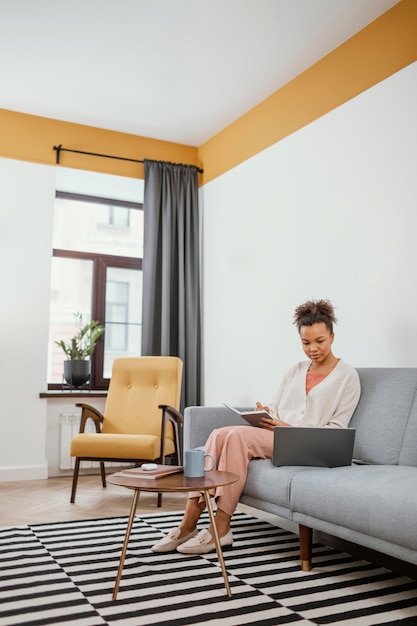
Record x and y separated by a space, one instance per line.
195 463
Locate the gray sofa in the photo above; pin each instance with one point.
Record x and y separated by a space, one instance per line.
373 502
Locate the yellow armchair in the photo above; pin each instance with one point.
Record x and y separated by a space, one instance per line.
141 418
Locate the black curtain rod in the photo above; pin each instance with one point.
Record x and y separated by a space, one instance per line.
60 149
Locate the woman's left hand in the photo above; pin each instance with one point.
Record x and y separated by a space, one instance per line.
269 423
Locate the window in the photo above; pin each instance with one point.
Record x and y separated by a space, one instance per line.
97 271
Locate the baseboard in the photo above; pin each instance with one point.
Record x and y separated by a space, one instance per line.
26 472
367 554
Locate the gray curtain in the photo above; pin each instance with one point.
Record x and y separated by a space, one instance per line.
171 270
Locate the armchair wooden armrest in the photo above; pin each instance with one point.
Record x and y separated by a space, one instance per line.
171 415
90 412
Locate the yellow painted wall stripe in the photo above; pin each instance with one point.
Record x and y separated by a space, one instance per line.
31 138
379 50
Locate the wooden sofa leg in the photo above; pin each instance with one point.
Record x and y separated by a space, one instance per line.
306 542
75 479
159 500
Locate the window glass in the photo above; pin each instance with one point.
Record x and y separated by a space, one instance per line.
86 226
123 315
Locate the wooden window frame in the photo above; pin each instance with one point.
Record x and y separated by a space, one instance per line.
100 264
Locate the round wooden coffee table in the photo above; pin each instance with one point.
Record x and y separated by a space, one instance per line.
173 483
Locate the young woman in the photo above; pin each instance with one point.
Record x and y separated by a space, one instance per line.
322 391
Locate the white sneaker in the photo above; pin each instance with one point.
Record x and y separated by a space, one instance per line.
172 540
204 543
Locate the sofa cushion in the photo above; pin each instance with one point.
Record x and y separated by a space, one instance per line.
378 501
269 483
381 417
408 455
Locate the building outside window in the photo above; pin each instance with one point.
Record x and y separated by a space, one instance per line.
97 271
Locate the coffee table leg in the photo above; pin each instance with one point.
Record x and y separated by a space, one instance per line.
217 541
126 542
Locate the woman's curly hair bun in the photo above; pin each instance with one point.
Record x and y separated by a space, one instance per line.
314 312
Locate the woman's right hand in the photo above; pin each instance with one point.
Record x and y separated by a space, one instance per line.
261 407
265 422
269 422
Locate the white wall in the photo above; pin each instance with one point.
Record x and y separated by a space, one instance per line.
329 212
26 201
29 433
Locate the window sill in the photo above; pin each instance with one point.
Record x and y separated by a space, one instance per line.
73 394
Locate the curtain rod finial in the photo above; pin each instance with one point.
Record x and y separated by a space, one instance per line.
58 152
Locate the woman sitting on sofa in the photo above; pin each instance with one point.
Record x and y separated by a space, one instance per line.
322 391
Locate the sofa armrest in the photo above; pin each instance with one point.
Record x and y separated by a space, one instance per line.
199 421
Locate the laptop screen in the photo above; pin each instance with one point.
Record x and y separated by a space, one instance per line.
317 447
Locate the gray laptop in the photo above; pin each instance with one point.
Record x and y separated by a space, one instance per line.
319 447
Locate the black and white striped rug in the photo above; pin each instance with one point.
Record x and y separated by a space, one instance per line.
64 574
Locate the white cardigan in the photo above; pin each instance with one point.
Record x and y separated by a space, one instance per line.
330 403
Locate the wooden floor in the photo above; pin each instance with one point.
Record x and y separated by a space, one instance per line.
42 501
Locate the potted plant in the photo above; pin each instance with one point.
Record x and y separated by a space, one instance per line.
77 368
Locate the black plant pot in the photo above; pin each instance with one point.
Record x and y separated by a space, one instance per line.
77 373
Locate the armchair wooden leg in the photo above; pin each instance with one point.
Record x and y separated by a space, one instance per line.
306 541
159 500
103 474
75 479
